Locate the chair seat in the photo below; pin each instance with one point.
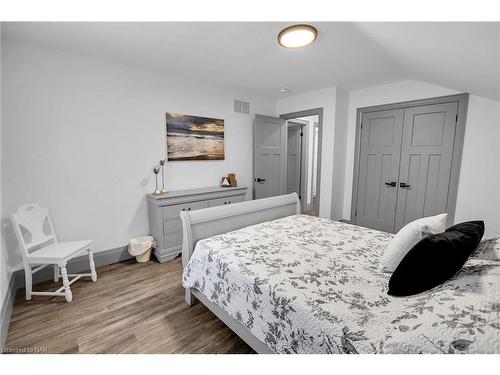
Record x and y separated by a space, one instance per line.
58 251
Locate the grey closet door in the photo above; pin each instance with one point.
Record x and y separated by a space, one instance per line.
293 159
269 156
426 158
380 148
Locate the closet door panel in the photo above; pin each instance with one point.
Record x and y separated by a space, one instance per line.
426 158
380 147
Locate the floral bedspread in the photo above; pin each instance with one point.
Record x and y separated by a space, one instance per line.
302 284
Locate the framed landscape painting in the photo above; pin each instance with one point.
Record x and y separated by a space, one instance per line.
194 137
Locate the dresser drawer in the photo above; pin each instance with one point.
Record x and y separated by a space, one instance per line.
172 233
173 239
171 212
172 225
238 198
217 202
223 201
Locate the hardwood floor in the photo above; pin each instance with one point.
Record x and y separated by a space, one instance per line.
132 308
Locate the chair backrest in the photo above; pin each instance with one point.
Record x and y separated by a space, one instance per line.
33 227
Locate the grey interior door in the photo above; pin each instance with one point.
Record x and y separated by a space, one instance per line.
269 156
380 148
293 159
426 159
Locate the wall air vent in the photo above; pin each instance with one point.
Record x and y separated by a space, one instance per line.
241 106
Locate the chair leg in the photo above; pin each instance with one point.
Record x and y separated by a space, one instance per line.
56 273
93 273
28 282
67 291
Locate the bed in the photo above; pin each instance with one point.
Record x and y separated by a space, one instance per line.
291 283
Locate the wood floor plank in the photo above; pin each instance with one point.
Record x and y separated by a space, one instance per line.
132 308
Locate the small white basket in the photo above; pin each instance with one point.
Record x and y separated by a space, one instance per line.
141 247
144 257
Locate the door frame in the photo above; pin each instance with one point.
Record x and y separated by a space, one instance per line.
303 156
311 112
463 100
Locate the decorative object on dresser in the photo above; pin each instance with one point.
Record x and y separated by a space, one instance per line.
164 214
162 163
232 179
194 137
39 247
229 180
156 170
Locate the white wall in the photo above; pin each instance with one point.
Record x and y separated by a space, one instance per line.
479 186
479 174
318 99
339 153
81 135
4 271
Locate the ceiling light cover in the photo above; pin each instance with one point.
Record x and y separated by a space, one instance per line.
297 36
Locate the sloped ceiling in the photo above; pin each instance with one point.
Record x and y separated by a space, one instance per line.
462 56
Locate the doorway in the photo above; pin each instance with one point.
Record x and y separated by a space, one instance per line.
287 157
303 157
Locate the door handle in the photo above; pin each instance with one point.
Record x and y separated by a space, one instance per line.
392 183
404 185
260 179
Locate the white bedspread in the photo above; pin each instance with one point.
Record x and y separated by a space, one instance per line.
307 285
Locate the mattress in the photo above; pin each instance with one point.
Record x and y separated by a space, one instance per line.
303 284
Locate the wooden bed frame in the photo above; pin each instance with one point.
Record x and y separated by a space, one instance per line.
208 222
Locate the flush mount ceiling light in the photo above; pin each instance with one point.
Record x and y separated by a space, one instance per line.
297 36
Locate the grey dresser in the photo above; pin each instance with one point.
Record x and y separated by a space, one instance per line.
164 214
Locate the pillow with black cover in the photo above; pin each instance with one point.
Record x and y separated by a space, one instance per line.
435 259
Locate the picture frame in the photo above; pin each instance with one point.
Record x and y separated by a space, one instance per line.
191 137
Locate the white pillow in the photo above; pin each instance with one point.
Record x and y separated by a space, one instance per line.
408 237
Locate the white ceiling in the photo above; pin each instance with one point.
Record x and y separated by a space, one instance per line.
462 56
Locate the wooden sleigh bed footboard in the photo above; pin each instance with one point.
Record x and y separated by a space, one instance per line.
209 222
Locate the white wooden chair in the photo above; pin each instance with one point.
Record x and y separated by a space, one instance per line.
40 248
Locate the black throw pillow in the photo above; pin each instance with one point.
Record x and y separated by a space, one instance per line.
435 259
